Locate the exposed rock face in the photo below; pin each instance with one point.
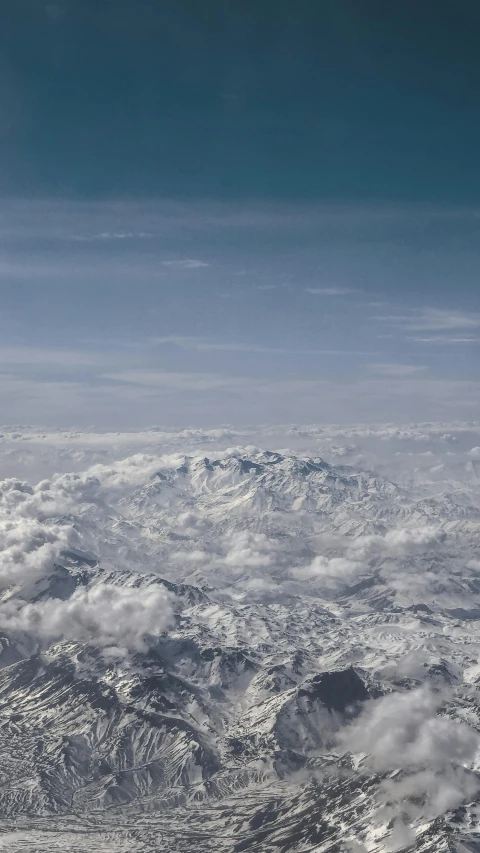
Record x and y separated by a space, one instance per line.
336 690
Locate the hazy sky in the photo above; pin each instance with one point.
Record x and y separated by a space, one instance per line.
239 212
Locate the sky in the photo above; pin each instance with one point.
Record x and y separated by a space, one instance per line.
239 213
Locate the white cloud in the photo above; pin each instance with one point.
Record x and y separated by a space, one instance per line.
406 732
402 837
413 540
247 549
28 548
332 572
106 615
36 523
121 473
398 542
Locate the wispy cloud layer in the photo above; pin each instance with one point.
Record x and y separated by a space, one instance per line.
331 291
211 345
434 320
113 235
397 370
186 263
160 302
439 340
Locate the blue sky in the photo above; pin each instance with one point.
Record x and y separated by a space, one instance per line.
214 214
135 313
339 98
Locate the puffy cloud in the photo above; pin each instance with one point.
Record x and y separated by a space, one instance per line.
250 550
38 523
27 548
401 837
439 792
107 615
190 524
395 544
398 542
331 572
413 540
406 732
122 474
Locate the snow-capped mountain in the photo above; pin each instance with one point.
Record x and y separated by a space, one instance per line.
239 648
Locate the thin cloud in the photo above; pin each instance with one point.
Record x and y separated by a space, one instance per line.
143 395
179 381
397 370
434 320
112 235
34 355
437 319
186 263
444 339
208 345
331 291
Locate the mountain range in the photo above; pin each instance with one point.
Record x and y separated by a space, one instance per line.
242 648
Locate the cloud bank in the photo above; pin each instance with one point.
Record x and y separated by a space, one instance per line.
122 617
